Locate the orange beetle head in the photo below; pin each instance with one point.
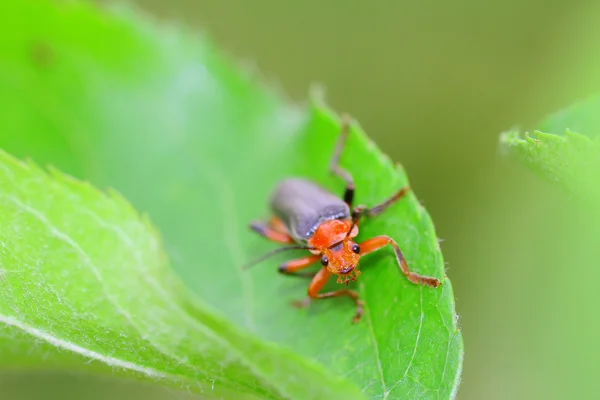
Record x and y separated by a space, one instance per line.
339 253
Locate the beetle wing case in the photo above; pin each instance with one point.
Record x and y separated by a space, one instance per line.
303 206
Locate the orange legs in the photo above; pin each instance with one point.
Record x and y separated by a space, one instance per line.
291 267
344 253
317 284
376 243
275 231
278 225
373 244
368 246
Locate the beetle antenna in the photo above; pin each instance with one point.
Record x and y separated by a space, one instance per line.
350 230
356 215
274 252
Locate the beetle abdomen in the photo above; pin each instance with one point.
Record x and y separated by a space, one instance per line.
303 205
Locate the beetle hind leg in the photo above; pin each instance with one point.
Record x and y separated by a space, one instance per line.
271 233
336 169
334 164
277 224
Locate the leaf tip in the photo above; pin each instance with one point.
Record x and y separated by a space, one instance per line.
511 136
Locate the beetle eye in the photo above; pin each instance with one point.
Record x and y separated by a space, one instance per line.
356 248
324 261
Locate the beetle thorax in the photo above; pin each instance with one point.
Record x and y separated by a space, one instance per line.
331 232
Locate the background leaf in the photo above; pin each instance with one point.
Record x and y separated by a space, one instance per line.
565 149
564 236
168 122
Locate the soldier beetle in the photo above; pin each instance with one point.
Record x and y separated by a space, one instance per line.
308 217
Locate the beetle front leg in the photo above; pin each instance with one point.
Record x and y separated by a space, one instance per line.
376 243
291 267
319 282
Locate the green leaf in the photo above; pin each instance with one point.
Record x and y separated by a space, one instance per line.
160 115
82 272
566 149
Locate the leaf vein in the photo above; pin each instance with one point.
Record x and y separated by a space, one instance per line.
176 308
57 233
375 344
422 317
66 345
223 189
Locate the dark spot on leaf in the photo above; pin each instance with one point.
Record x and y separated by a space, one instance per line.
42 54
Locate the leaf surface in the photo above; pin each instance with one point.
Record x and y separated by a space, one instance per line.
82 272
160 115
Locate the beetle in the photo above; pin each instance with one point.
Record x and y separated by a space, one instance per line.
306 216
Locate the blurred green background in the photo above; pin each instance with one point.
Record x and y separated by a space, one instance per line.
434 83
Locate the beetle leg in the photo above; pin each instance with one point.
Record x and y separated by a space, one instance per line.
317 284
358 213
334 166
376 243
277 224
291 267
378 209
271 234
